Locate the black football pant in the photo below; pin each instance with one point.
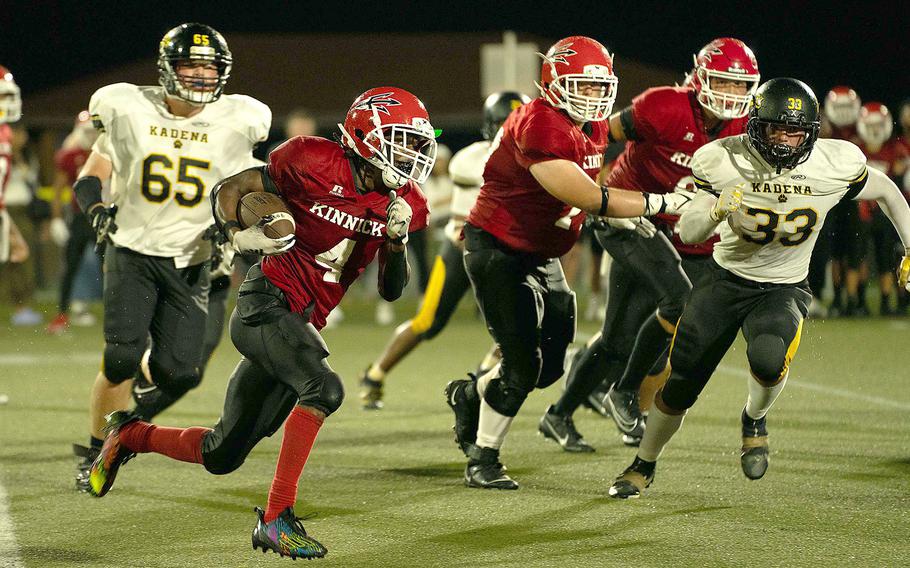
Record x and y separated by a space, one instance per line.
770 316
283 364
447 286
530 312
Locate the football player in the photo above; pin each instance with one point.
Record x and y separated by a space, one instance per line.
889 156
163 149
351 200
448 279
538 183
651 274
768 192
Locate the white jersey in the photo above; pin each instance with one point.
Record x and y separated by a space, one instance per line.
771 237
466 171
165 166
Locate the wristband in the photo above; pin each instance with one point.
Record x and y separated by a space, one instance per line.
88 192
604 200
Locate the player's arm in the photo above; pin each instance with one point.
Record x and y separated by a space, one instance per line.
879 187
97 169
566 181
226 195
394 271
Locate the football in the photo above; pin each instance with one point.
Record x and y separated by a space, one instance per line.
259 204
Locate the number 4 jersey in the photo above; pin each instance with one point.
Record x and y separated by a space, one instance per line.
771 237
339 228
164 166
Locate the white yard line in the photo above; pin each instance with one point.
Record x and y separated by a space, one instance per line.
25 359
9 548
833 391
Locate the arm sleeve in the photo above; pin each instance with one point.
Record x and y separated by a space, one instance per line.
880 188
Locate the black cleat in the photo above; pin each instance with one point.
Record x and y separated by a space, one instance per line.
595 401
462 398
286 536
86 456
635 479
754 455
485 471
370 394
625 411
112 455
562 430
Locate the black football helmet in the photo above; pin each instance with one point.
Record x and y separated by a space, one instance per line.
496 110
193 42
783 102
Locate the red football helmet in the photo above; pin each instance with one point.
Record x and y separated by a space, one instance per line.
728 59
577 76
390 128
874 124
842 106
10 99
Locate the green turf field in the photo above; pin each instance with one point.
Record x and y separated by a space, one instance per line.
387 485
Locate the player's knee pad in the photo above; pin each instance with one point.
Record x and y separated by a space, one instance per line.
504 398
681 392
327 395
767 356
122 359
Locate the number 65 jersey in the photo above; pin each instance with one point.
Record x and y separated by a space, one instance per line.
771 237
164 166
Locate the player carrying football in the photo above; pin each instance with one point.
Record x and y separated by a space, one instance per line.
651 274
163 148
538 185
350 201
768 191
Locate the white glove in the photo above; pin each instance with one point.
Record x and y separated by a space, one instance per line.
670 203
640 225
903 272
731 198
398 219
59 231
253 240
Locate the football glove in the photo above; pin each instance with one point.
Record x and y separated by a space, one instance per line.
731 198
640 225
217 238
398 219
670 203
253 241
903 272
102 220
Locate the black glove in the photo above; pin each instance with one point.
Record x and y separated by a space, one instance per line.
102 219
214 234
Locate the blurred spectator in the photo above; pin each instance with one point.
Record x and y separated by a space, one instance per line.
69 227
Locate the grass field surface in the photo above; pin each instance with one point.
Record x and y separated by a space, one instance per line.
387 485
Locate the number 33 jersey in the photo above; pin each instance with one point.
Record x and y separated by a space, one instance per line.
165 166
771 237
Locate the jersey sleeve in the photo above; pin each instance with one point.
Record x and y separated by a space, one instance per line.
542 140
704 165
465 169
851 168
649 111
287 167
103 107
259 117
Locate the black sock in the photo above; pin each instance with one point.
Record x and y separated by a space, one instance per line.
652 340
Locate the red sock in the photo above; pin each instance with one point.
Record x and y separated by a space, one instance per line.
299 435
184 444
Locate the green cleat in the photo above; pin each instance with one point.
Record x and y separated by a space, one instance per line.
286 536
112 455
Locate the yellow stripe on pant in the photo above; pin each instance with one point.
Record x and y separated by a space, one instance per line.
423 321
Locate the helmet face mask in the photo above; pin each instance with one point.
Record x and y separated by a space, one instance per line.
842 106
577 77
187 57
874 125
10 97
783 108
729 60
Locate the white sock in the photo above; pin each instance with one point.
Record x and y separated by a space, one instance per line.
761 397
493 427
661 427
375 373
485 379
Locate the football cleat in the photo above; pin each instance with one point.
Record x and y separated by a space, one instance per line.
112 455
485 471
595 401
562 430
462 398
58 325
625 411
754 455
635 479
370 394
286 536
86 457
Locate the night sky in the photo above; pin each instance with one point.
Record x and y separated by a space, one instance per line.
54 41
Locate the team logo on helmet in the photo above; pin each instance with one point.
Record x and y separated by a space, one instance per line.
560 56
379 102
758 101
714 50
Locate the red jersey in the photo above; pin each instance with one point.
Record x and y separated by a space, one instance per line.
512 206
6 159
339 230
70 162
669 128
891 155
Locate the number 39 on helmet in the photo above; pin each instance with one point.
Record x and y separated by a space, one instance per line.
390 128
